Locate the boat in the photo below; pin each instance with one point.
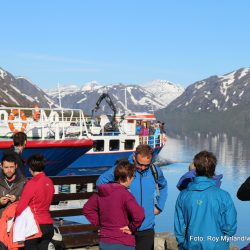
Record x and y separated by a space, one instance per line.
115 137
49 131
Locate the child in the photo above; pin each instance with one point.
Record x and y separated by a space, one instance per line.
115 210
191 174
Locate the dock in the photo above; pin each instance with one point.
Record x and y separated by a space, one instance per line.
70 195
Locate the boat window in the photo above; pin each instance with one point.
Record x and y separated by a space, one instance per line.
98 145
114 145
129 144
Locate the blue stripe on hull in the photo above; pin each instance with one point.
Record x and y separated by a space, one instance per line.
105 160
58 158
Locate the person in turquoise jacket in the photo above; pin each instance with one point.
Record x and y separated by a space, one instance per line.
143 187
205 215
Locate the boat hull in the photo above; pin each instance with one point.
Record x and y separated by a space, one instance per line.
59 154
98 160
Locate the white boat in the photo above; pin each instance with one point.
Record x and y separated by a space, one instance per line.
115 138
49 132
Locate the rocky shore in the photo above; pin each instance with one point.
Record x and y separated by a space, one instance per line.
163 241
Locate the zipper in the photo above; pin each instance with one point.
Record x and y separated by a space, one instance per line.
141 187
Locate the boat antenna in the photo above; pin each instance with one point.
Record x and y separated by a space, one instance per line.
59 95
126 104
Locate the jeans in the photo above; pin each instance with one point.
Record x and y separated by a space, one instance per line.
43 242
111 246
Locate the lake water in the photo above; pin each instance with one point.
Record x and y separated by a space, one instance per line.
233 156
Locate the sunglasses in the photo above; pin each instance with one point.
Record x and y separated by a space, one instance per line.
142 165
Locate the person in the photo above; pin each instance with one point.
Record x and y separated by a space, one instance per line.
38 195
143 187
19 141
115 210
162 128
191 174
137 128
11 182
243 192
151 130
205 215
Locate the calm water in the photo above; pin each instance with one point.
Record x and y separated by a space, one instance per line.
233 156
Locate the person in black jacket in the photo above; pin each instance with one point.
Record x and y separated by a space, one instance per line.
243 193
19 141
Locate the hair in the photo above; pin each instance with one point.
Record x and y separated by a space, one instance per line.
19 139
9 158
191 166
144 150
36 162
123 170
205 163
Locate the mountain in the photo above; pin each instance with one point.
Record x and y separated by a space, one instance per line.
18 91
218 103
133 98
148 97
165 91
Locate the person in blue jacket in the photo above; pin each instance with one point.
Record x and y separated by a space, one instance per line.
205 216
191 174
143 187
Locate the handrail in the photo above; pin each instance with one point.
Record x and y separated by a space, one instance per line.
53 123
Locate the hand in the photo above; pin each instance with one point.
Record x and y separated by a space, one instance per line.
4 200
12 197
126 230
156 211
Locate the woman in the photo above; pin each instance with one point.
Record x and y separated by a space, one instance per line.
38 195
115 210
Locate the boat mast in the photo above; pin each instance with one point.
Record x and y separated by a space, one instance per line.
59 95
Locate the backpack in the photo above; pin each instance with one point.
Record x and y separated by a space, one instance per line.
155 175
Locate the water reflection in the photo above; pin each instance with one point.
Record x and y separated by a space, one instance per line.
232 153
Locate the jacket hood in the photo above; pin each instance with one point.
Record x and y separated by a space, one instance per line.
201 183
106 189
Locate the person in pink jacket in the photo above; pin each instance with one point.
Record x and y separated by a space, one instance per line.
115 210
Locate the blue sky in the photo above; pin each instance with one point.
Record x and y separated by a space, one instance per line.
129 41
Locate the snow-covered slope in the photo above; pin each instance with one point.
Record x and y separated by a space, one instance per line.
21 92
165 91
216 93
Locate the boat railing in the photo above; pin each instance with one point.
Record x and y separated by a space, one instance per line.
153 140
43 123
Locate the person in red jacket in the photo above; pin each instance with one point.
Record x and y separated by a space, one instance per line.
38 194
115 210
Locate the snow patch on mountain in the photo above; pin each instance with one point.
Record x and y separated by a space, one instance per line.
2 73
244 72
11 97
228 79
91 86
164 91
200 85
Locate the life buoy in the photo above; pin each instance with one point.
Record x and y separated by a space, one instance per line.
13 113
36 113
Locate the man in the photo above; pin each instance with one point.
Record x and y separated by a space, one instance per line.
205 216
243 192
143 187
38 194
11 183
19 141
